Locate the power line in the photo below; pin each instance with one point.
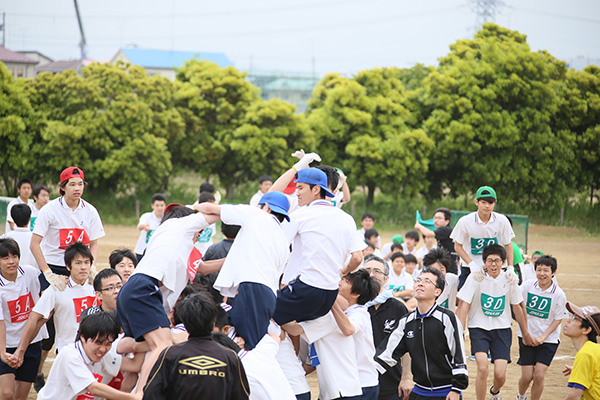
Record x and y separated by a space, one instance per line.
485 11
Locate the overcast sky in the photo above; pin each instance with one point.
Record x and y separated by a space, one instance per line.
341 35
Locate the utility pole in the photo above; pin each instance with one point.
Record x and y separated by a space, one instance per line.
3 29
485 11
82 42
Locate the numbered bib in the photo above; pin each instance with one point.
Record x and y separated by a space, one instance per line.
84 303
194 261
205 235
478 244
538 306
88 395
72 235
444 303
397 288
492 306
20 308
149 234
32 223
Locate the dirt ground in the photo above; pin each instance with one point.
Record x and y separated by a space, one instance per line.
578 257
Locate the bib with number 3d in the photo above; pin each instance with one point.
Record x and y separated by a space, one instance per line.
83 303
20 308
72 235
538 306
492 306
205 235
88 395
478 244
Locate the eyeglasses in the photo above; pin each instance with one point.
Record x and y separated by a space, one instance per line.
425 280
375 271
112 288
497 261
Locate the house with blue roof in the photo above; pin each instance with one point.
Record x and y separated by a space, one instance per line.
165 62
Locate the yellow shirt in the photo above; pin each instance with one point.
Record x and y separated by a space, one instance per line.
586 371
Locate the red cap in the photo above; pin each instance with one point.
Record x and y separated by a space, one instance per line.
71 172
171 206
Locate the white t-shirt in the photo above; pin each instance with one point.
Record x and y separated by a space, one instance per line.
256 198
151 219
448 297
399 283
67 305
23 238
18 200
259 252
168 253
528 271
265 377
73 371
338 370
473 234
405 250
321 237
60 227
363 345
361 235
490 301
543 307
16 302
422 252
292 366
34 214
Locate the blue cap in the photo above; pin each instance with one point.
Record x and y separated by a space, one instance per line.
314 176
277 202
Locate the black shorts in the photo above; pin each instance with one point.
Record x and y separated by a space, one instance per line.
301 302
496 341
140 307
251 312
531 355
31 362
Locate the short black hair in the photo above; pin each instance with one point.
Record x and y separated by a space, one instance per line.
332 176
225 341
222 318
437 255
397 255
592 337
396 246
37 190
187 291
410 258
119 254
207 282
264 178
412 235
103 274
21 181
103 325
198 313
9 246
371 245
364 285
158 197
496 249
440 281
206 197
230 231
21 214
447 213
368 215
547 260
75 249
207 187
177 212
370 233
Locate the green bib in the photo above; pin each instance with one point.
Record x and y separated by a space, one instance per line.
149 235
478 244
397 288
538 306
32 223
444 303
205 235
492 306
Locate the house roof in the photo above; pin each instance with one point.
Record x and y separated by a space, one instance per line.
14 57
169 59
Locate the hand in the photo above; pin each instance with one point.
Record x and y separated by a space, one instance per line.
539 340
306 160
405 387
342 179
93 273
4 356
196 236
528 340
453 396
59 282
146 227
567 370
298 154
478 275
15 360
512 277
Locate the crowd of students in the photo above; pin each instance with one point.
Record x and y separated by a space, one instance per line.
294 287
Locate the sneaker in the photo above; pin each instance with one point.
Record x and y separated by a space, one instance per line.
39 382
493 396
523 397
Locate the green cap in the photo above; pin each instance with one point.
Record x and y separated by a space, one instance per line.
485 191
398 239
538 253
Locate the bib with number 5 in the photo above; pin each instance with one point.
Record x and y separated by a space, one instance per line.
478 244
20 308
83 303
492 306
72 235
538 306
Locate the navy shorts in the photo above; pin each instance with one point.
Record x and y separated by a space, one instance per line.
140 307
31 362
301 302
497 342
464 274
531 355
370 393
303 396
251 312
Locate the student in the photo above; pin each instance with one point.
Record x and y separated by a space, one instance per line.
440 259
358 288
442 232
124 262
149 222
475 231
400 282
487 305
264 184
221 249
24 189
369 250
387 248
367 221
107 285
410 265
177 374
20 214
529 268
19 291
411 239
583 328
385 312
41 197
545 306
372 236
432 335
82 369
428 245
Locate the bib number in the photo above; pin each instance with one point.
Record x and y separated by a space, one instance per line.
538 306
205 235
149 234
88 395
84 303
32 223
397 288
72 235
20 308
492 306
478 244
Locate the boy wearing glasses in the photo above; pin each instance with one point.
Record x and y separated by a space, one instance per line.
487 305
107 285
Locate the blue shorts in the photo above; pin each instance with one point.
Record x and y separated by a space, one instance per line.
301 302
531 355
140 307
31 362
251 312
370 393
497 342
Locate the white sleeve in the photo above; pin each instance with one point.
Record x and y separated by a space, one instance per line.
46 303
195 222
467 292
506 234
77 373
236 214
290 230
561 310
458 233
319 328
143 219
8 208
96 228
1 308
356 244
359 321
43 221
516 297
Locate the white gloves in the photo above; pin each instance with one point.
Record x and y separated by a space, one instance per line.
476 271
93 273
342 179
57 281
305 159
512 277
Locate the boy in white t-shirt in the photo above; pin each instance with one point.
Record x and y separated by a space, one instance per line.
429 243
19 291
545 304
21 215
41 197
400 282
24 188
264 184
149 222
439 259
411 239
487 305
